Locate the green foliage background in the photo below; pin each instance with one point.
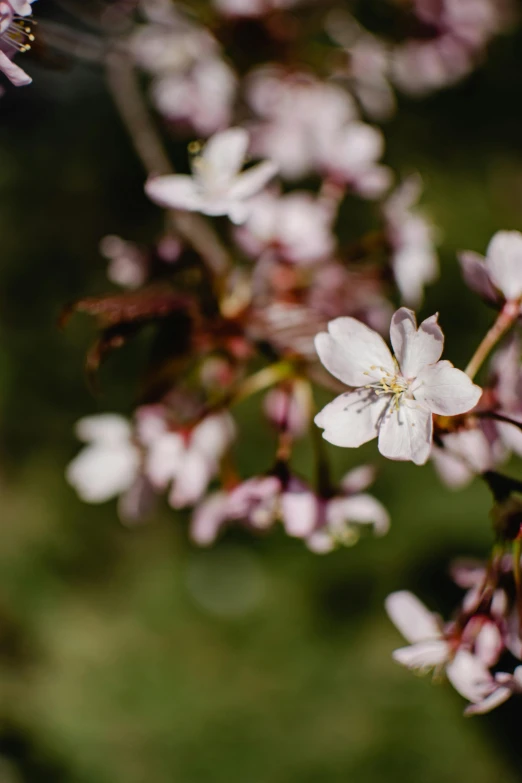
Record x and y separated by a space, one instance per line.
129 655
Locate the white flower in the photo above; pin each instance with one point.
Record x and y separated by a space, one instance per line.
185 462
412 238
109 464
499 275
393 399
217 185
430 649
297 225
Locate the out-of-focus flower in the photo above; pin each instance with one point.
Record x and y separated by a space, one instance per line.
323 523
498 276
192 85
251 8
327 523
254 502
460 31
108 465
394 399
185 461
217 185
15 37
297 226
200 97
368 66
506 367
289 407
466 453
434 648
311 126
128 265
411 237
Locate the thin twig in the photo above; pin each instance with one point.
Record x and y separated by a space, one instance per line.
128 98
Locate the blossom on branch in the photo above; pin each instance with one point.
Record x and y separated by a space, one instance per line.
217 185
393 398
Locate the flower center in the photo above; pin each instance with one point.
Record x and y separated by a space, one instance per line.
15 31
394 385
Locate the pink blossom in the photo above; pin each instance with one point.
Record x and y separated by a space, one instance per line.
201 97
109 463
431 648
498 276
393 399
217 185
312 126
251 8
297 226
412 239
327 523
15 37
185 462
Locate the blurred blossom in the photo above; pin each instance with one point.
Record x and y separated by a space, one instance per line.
368 65
252 8
217 185
201 98
128 265
466 453
192 84
183 461
337 520
498 276
110 462
456 33
412 238
394 398
289 408
297 226
15 37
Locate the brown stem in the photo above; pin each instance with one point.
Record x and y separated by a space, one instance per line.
127 96
505 320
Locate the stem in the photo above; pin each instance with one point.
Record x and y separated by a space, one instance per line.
263 379
127 96
505 320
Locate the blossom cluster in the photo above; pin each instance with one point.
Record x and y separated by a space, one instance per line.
254 292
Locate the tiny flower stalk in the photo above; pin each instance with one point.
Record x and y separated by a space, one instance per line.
506 319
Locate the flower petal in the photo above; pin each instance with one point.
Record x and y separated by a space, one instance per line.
358 479
415 348
423 655
300 509
106 428
406 432
415 622
353 352
469 676
174 191
361 509
14 73
495 699
208 518
101 472
476 275
224 154
446 390
504 263
352 419
254 179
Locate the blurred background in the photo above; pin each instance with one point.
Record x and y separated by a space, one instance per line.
127 654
